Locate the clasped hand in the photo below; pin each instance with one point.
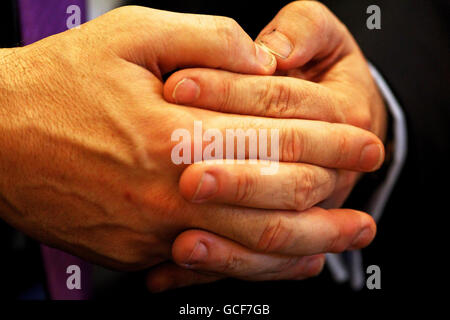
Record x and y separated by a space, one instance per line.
86 141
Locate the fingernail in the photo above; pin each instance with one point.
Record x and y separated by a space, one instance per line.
264 56
197 255
371 157
277 43
186 91
362 238
207 187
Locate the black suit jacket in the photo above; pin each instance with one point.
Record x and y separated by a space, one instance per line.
412 52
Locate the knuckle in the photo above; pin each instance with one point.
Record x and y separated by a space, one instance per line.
230 24
276 99
230 31
342 108
339 115
318 9
286 264
363 119
292 144
334 244
245 188
225 97
355 108
359 114
318 12
276 236
342 151
314 11
263 97
304 189
232 263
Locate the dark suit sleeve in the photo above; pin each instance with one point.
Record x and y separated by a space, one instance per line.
10 35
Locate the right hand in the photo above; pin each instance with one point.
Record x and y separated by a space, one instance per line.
85 143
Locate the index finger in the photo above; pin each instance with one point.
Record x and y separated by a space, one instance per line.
163 41
310 232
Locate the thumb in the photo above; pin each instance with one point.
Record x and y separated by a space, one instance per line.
164 41
303 31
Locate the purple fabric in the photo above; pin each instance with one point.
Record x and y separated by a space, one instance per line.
40 19
43 18
56 263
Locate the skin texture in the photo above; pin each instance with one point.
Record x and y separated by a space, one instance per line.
321 75
85 150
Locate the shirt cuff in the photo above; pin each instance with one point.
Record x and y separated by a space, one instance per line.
351 268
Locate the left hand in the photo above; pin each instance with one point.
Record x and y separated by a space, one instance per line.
322 75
